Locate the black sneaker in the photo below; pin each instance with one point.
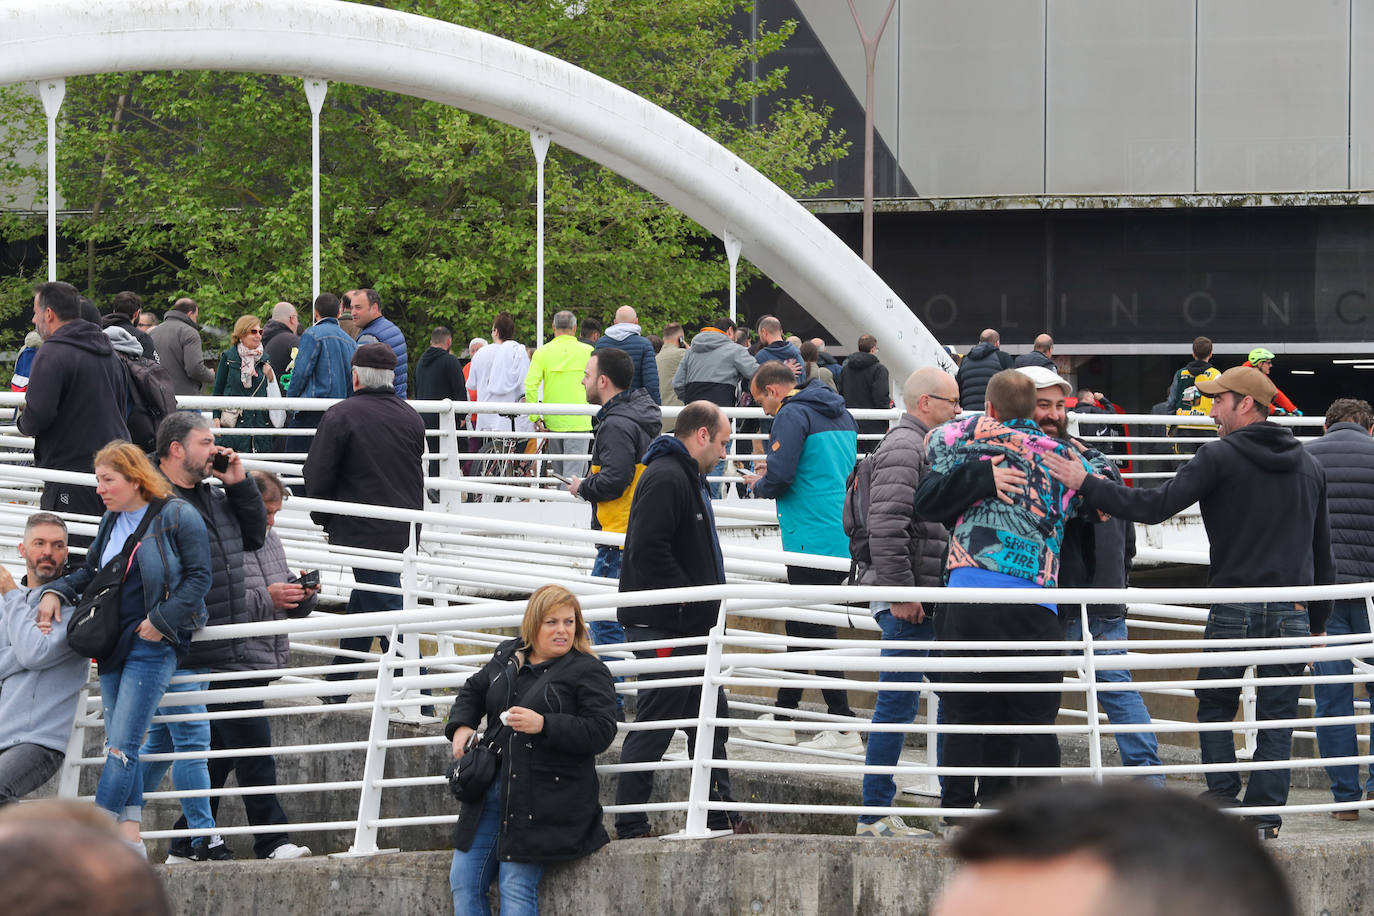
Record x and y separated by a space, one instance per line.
216 851
181 852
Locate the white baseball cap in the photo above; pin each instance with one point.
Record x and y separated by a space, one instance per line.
1044 378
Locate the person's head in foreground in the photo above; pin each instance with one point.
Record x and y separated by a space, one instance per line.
1122 850
66 857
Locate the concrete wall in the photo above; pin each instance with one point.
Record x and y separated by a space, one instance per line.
1015 97
821 875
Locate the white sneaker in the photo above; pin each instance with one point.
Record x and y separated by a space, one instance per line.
289 851
775 735
891 827
849 742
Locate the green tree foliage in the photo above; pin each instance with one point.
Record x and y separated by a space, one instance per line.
198 184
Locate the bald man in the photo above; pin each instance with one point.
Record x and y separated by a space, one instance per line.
624 335
1040 355
281 336
901 551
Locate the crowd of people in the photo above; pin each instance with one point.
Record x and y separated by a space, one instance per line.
977 485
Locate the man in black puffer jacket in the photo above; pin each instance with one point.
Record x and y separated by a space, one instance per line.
983 362
865 384
671 542
237 522
901 550
1346 453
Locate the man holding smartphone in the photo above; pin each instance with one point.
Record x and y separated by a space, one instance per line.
236 521
627 422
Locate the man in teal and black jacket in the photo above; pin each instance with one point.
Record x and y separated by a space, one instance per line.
810 453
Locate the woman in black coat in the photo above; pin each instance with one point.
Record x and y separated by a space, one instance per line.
544 806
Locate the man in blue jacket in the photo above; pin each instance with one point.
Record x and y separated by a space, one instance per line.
624 335
373 327
40 677
322 367
811 451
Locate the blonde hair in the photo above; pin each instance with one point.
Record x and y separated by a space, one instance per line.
548 598
128 461
241 329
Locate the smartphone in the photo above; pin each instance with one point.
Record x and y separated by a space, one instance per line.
220 462
566 480
310 579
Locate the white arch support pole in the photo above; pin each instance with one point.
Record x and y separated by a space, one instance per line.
315 89
398 52
732 247
539 141
52 91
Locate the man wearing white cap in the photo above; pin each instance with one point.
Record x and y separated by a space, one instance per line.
1263 500
1097 553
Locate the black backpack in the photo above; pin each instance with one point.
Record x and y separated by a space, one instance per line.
150 398
855 515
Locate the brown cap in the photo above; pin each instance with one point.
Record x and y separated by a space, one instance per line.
1242 380
374 356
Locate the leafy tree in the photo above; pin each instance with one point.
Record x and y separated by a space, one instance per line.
198 183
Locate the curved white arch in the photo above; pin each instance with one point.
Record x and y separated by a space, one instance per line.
415 56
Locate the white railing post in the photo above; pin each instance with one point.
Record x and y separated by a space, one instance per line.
732 249
315 90
1248 700
1090 697
374 767
52 92
539 141
410 644
929 784
699 793
450 465
69 780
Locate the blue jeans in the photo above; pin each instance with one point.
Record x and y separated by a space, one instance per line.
472 872
1123 707
607 632
164 737
1219 704
129 697
893 706
717 489
1348 615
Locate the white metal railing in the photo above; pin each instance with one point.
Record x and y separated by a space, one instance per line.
465 553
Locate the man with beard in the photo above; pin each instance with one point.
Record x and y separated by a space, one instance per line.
1097 554
627 422
42 676
237 522
1256 472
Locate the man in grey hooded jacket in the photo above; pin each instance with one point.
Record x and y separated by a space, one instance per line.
40 677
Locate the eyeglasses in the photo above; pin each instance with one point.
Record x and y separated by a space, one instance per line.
936 397
255 330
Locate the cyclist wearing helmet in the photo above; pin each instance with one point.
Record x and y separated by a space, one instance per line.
1263 360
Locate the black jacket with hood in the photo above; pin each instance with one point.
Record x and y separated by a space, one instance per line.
865 385
671 541
1263 501
76 397
982 363
116 320
623 429
550 807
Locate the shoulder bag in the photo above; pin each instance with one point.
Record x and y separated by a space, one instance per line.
94 628
470 776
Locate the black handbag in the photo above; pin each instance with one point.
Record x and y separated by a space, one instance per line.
473 773
93 630
470 776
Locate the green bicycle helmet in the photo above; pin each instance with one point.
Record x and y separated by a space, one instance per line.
1259 355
